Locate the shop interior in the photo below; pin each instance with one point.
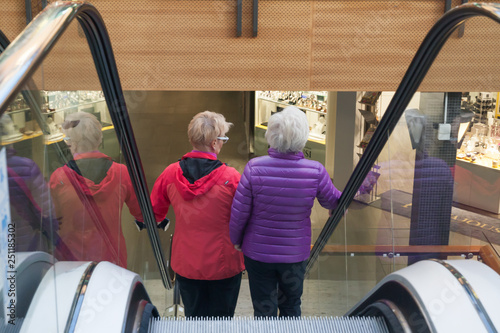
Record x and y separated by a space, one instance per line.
475 134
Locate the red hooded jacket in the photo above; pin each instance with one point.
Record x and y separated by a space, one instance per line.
201 248
110 189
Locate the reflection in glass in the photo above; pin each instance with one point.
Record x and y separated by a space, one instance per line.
31 210
89 192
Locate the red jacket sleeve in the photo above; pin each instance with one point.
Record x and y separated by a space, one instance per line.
131 198
159 197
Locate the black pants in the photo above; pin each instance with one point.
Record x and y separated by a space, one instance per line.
275 286
209 298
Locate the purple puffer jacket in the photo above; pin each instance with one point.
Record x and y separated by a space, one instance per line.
270 216
26 179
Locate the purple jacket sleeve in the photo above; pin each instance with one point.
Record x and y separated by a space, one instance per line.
328 196
241 208
39 190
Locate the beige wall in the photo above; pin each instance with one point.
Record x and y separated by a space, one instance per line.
301 45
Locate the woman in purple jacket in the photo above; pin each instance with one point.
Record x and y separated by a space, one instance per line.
270 216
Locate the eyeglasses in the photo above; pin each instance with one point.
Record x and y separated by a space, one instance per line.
224 139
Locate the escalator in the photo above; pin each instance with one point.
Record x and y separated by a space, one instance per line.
52 268
84 295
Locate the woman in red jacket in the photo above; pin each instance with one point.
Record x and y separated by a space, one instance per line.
89 193
200 188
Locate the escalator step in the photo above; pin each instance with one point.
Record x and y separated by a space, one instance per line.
245 324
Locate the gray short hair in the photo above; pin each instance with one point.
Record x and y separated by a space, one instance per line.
205 127
288 130
83 130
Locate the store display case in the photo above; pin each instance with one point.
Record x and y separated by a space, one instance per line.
477 173
21 126
19 122
313 103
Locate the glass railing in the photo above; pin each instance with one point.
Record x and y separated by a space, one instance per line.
427 183
69 164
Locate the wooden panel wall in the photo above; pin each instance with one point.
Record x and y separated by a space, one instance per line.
12 18
302 44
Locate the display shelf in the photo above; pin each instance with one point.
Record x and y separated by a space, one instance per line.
49 142
483 161
287 104
17 111
21 119
268 103
23 138
58 110
74 106
311 137
476 186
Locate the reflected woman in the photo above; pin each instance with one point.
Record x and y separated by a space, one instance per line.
89 193
31 209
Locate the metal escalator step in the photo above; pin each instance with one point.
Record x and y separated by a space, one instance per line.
245 324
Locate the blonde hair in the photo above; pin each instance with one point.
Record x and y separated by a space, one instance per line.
288 130
84 132
205 127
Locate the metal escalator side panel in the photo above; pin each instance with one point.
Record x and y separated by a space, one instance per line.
57 292
79 297
392 314
402 297
31 268
416 72
480 283
438 294
87 297
110 294
27 93
22 58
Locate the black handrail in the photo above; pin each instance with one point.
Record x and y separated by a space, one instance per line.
416 72
21 59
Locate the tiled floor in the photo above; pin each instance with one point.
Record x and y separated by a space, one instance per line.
320 297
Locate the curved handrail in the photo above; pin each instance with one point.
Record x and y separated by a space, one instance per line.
23 56
416 72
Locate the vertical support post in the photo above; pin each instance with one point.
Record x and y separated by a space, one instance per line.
447 5
29 14
343 109
433 178
461 27
239 13
255 17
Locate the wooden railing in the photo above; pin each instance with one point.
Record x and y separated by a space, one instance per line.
486 253
490 257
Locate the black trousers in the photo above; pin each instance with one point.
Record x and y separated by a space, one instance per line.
275 286
209 298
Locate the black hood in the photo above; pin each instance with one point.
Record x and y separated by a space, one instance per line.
196 168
